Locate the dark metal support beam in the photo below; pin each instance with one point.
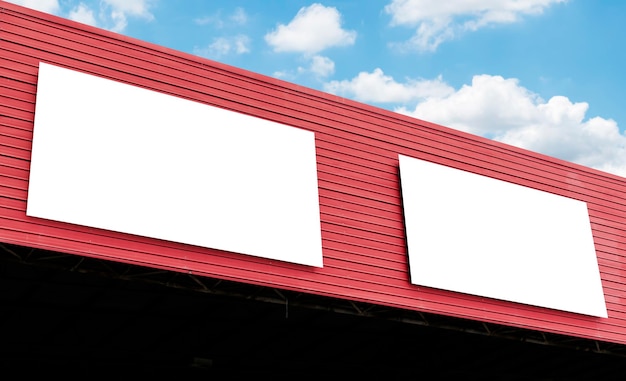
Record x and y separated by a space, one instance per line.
193 283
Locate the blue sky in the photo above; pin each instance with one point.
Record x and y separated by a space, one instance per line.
545 75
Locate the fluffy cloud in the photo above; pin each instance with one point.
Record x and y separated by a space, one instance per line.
48 6
114 13
438 21
503 110
83 14
322 66
223 46
312 30
319 67
138 8
377 87
237 18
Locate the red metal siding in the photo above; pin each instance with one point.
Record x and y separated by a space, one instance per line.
357 146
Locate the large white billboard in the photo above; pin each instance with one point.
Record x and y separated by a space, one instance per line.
477 235
118 157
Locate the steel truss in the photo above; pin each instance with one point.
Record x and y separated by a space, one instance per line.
193 283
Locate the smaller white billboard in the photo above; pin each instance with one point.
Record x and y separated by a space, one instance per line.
118 157
477 235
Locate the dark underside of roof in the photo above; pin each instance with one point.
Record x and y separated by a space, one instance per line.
73 316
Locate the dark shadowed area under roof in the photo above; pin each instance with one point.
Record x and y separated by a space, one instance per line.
71 316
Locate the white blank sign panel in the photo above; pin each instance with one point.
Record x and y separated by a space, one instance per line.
118 157
477 235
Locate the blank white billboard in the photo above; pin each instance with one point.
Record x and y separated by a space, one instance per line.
477 235
113 156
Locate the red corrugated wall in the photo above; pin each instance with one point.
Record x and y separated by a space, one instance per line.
364 247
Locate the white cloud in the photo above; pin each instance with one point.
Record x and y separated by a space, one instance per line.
322 66
241 44
238 17
114 13
318 66
282 74
137 8
83 14
501 109
437 21
312 30
380 88
118 20
222 46
215 19
48 6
